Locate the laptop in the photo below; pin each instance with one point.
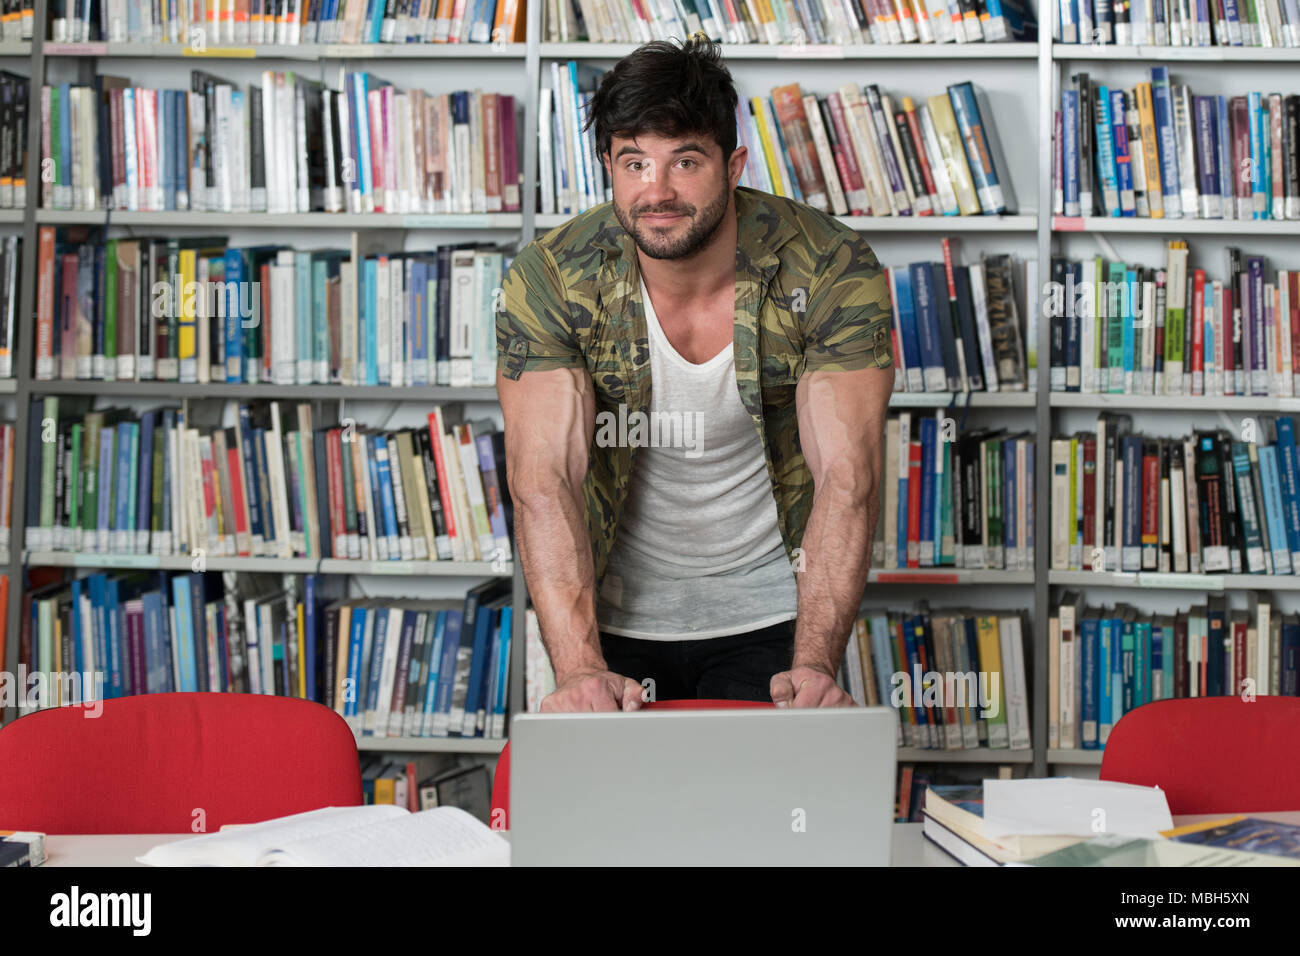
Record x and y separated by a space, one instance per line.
779 787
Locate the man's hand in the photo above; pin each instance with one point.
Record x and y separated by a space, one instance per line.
593 690
808 687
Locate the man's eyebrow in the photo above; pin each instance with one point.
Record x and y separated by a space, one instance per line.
687 147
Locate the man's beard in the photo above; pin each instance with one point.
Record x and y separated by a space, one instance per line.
702 228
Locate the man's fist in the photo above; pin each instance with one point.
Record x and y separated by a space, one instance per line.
808 687
593 690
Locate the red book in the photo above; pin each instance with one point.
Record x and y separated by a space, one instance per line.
918 141
45 304
68 308
914 504
492 151
510 179
237 493
334 484
444 488
1150 506
787 106
854 191
1229 353
1293 281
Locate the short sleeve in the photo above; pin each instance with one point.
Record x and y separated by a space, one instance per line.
847 324
533 328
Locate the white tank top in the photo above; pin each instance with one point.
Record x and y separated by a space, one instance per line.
697 552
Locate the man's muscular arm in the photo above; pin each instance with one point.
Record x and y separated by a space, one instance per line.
841 429
550 418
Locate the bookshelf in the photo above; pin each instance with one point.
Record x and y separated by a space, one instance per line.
1026 78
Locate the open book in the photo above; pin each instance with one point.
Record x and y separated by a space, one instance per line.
376 835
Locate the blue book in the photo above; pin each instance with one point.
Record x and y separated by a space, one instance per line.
234 329
1271 483
1090 645
1224 159
356 637
162 129
926 314
419 331
1122 152
501 684
1290 657
1259 136
199 623
986 167
1158 687
451 637
1131 520
159 665
184 634
309 626
1162 105
1105 654
433 653
1129 663
1107 176
480 665
383 470
104 520
1131 301
1009 488
376 670
124 490
1206 130
99 638
369 339
1142 690
929 434
252 492
914 631
319 343
1116 669
118 651
1070 150
1289 467
908 333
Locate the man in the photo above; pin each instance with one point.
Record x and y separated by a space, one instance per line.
729 560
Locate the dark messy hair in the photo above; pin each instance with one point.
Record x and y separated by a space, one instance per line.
667 89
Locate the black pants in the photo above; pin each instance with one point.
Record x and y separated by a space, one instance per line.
734 667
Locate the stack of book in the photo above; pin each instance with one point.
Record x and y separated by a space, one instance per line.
860 151
957 499
1127 329
196 310
287 22
422 669
288 145
271 484
391 668
572 177
1208 503
1266 23
956 677
13 137
957 328
819 21
1159 151
1103 662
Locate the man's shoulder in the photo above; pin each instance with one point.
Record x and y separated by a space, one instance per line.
578 247
800 235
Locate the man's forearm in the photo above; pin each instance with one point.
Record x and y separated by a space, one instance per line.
836 549
555 549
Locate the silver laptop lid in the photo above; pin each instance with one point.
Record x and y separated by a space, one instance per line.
703 787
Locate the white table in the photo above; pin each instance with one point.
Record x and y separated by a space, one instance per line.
121 849
910 846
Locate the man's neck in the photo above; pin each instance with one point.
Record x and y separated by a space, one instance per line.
704 273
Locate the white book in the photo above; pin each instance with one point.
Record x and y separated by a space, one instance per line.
371 835
1013 681
398 313
546 149
463 318
283 318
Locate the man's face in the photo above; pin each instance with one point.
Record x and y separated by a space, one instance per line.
670 193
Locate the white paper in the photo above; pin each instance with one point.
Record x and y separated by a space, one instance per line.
243 846
1071 807
443 836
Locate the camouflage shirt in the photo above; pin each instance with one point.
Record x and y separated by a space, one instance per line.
810 295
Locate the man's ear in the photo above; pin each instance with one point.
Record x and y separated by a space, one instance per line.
736 164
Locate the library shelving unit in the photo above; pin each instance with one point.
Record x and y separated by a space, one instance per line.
1217 69
1023 81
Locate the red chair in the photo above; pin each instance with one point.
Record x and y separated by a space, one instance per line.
151 763
501 777
1211 754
